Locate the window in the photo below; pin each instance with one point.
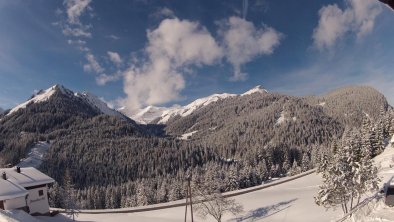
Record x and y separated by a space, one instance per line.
40 193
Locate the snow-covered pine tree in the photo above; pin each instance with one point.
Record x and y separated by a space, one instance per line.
380 137
305 162
142 194
348 176
231 181
366 136
286 165
55 195
175 192
162 193
295 169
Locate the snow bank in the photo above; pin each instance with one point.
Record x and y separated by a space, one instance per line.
15 216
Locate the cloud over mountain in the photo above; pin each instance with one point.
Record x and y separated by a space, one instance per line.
172 47
357 18
242 42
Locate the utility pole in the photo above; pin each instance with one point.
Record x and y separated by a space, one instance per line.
187 192
189 199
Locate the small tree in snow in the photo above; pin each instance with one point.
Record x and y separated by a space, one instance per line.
215 205
209 201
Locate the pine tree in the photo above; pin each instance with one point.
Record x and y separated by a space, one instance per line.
305 162
348 176
55 195
142 194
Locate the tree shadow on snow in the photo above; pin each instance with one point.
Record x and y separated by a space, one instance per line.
264 212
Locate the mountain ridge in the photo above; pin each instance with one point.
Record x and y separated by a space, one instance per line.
161 115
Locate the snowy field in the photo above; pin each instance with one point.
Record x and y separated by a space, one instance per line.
289 201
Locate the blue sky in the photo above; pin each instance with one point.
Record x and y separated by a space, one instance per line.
144 52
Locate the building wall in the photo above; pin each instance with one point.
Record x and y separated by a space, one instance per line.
15 203
38 204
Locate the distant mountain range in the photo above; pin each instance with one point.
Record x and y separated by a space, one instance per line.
162 115
254 131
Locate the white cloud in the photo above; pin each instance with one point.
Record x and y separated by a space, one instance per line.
242 42
357 18
113 37
103 78
76 32
164 12
71 25
115 58
173 46
75 8
92 65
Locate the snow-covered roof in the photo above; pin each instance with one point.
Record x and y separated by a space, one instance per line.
10 190
28 176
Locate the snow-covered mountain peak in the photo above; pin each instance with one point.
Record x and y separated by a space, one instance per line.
150 113
256 89
88 98
40 96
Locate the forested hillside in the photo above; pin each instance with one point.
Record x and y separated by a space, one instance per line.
349 105
237 142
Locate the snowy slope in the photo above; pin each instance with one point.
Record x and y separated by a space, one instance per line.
257 89
36 155
1 110
151 113
97 103
41 96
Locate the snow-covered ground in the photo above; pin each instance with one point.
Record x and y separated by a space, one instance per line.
289 201
187 135
283 118
16 215
35 156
